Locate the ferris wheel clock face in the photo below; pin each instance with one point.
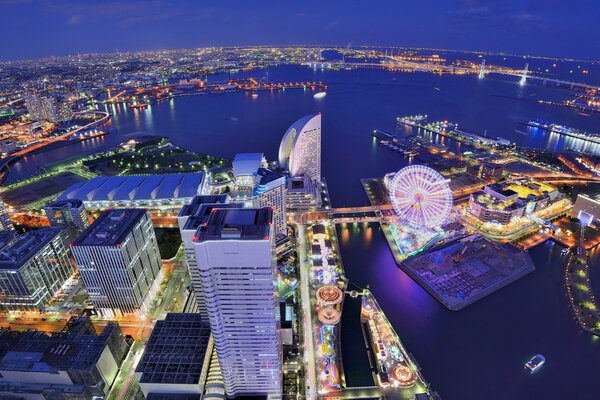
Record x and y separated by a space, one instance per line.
421 196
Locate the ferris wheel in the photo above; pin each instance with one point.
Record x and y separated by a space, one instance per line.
421 196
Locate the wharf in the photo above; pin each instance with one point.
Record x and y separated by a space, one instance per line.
464 271
586 137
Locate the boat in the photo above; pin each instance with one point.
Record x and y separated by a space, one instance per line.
415 120
319 95
535 363
139 105
254 95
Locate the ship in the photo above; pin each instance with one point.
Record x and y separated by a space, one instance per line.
535 363
139 105
319 95
413 120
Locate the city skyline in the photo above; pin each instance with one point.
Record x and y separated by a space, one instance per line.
299 222
539 28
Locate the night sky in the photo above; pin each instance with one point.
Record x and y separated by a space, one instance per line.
566 28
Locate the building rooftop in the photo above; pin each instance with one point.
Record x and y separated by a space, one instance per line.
77 348
202 215
176 350
146 187
16 251
266 177
237 224
499 188
192 208
110 228
68 203
247 163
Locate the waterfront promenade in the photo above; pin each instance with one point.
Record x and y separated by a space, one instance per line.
579 290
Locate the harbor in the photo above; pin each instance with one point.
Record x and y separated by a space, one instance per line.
450 129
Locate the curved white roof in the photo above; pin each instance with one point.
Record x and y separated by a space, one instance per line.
150 187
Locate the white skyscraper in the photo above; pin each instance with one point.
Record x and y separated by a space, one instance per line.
119 261
189 220
235 255
300 148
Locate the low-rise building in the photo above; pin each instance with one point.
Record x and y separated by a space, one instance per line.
507 201
177 357
74 364
165 193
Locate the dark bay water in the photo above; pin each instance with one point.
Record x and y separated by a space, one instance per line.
476 353
480 351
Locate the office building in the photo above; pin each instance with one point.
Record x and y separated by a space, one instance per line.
300 148
74 364
70 214
491 171
33 267
5 222
176 357
235 255
189 220
119 262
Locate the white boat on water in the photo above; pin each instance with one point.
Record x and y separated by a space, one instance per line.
320 95
535 363
254 95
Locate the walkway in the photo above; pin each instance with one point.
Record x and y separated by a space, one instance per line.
579 291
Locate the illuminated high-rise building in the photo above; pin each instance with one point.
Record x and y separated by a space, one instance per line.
33 267
44 106
300 149
300 156
70 214
5 222
189 220
235 255
258 186
119 262
270 191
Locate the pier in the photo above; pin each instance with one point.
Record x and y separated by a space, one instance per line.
579 290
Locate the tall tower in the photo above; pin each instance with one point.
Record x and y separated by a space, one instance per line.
119 262
300 148
235 254
5 223
524 75
482 69
189 220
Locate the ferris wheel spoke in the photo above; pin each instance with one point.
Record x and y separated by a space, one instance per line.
421 196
